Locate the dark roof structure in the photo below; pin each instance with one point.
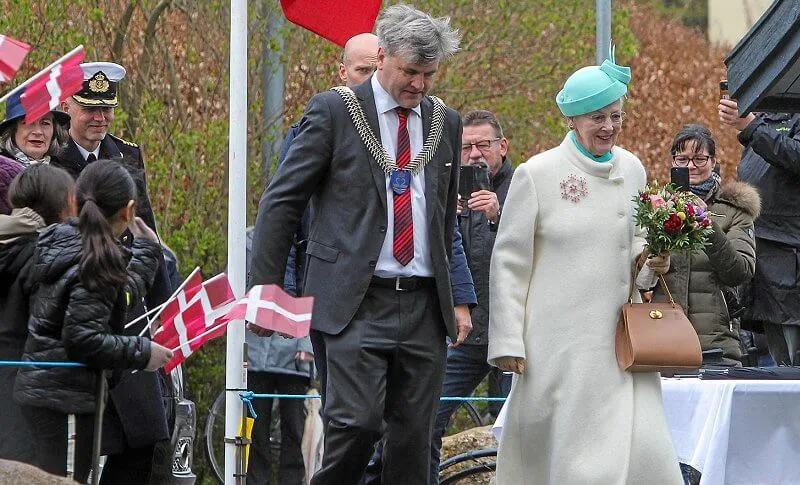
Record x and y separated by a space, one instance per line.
764 67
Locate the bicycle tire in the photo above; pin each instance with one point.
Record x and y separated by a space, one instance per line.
469 472
473 413
469 455
214 434
217 410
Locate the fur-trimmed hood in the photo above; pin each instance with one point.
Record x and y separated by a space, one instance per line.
742 196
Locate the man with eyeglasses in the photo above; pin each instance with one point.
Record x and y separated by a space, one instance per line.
771 163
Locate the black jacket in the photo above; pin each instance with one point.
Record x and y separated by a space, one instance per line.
771 163
478 238
16 262
70 323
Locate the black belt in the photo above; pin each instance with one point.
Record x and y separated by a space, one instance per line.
403 283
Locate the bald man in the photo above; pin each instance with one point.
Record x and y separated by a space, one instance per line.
359 59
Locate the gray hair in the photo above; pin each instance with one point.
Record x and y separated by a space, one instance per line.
483 117
415 35
57 143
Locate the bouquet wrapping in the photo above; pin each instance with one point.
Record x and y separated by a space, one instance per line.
672 219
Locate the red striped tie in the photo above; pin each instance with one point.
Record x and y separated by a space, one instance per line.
403 244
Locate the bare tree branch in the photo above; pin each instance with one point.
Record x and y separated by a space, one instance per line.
122 30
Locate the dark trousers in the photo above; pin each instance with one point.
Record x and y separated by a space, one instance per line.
132 467
386 365
466 368
49 431
291 469
16 442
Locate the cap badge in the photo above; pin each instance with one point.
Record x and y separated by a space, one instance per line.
99 83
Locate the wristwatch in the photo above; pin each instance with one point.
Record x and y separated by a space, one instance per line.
493 224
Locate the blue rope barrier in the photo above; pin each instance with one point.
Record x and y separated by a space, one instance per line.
247 397
250 395
14 363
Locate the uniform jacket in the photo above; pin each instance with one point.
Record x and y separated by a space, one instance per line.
329 165
70 323
478 243
696 281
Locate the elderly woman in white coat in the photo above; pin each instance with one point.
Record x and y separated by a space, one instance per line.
560 272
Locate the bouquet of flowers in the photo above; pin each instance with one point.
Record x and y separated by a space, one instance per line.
673 221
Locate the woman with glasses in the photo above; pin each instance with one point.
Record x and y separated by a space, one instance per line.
697 281
560 273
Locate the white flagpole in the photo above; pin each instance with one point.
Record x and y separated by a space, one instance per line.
32 78
235 376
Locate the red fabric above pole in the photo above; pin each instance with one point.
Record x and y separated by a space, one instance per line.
335 20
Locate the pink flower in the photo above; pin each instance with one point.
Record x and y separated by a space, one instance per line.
657 201
690 209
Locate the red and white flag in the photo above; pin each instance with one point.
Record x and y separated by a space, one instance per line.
201 320
268 306
335 20
50 87
12 53
183 298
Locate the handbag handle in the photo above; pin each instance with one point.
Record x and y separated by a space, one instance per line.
638 264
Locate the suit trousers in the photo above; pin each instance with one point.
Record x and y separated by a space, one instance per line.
386 365
291 468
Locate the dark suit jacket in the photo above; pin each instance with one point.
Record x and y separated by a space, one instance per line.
328 164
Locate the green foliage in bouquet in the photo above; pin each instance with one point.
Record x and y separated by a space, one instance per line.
673 221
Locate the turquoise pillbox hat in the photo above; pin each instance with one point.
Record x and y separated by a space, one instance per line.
593 87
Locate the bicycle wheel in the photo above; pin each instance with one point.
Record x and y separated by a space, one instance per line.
471 464
473 413
215 436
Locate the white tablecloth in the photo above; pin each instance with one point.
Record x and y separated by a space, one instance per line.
734 432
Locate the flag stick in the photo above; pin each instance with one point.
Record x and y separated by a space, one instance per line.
159 309
143 315
33 78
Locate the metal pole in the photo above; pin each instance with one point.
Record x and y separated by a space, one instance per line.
603 29
100 391
235 379
273 75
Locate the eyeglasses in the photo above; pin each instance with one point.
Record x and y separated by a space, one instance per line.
482 145
698 160
600 118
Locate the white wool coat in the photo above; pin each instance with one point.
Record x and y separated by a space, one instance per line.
560 272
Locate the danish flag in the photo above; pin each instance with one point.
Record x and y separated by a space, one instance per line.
46 90
194 317
268 306
12 53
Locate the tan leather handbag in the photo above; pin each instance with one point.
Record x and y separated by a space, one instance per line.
657 337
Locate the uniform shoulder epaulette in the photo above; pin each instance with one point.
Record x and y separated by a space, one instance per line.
126 142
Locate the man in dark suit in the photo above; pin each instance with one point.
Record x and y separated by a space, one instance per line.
135 423
383 188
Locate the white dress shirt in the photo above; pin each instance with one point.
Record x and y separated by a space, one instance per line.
85 153
388 121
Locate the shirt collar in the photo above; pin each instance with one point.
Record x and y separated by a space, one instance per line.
384 101
85 153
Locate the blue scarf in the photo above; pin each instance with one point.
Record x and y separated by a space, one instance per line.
597 158
707 187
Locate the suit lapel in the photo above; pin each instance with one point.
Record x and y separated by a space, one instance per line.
432 169
367 100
